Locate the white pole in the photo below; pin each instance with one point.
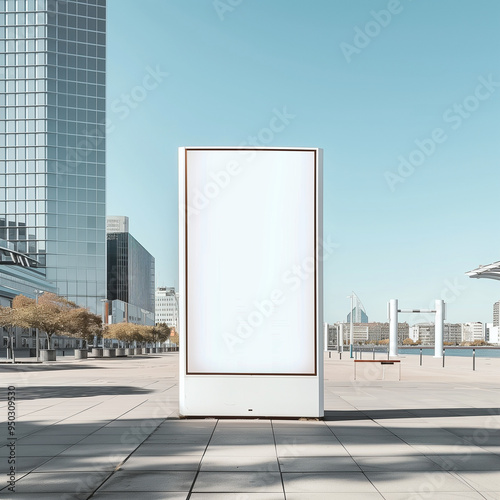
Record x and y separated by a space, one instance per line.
393 327
351 331
37 340
341 326
438 329
326 336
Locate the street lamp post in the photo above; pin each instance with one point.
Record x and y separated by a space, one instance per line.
37 340
105 319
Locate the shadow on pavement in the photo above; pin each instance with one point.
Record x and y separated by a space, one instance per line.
332 415
82 391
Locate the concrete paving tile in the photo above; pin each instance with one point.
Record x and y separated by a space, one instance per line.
237 496
388 463
314 482
437 495
178 481
318 464
242 450
334 496
37 450
296 449
225 440
169 449
27 464
243 422
93 450
303 430
166 462
195 439
41 496
238 482
80 463
47 482
242 464
49 440
414 482
459 462
370 449
145 495
493 495
481 481
187 426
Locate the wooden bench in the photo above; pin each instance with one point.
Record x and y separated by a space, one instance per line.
381 361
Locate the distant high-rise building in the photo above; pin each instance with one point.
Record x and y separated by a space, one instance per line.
131 280
52 149
358 315
496 315
116 224
166 306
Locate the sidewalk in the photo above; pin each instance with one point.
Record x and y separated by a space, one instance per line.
109 429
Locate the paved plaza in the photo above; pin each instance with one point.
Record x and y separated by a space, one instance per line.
109 429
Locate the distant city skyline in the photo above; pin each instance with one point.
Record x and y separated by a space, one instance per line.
402 96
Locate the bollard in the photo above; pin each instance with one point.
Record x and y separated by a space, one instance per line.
420 356
350 350
360 354
329 354
374 353
473 360
340 353
388 356
444 355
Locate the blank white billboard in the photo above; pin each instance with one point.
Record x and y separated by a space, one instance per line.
250 283
250 234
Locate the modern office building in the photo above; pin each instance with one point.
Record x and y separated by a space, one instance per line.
473 331
496 310
116 224
166 306
358 315
452 333
131 280
52 140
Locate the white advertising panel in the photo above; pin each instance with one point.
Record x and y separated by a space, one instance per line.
250 277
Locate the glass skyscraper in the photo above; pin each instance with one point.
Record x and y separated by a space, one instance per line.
52 140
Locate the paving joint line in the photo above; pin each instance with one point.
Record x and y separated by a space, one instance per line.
198 470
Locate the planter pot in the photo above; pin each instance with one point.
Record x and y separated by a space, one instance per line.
97 352
129 351
81 354
109 353
120 353
138 350
47 354
147 350
154 350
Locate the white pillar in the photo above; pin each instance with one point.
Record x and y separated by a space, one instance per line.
439 329
325 331
351 330
341 329
393 327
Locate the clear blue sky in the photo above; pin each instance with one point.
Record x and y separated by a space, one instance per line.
185 73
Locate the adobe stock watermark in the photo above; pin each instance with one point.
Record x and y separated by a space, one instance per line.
220 181
264 309
222 7
456 115
123 105
363 36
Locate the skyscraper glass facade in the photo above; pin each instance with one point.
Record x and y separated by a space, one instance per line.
52 140
131 272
